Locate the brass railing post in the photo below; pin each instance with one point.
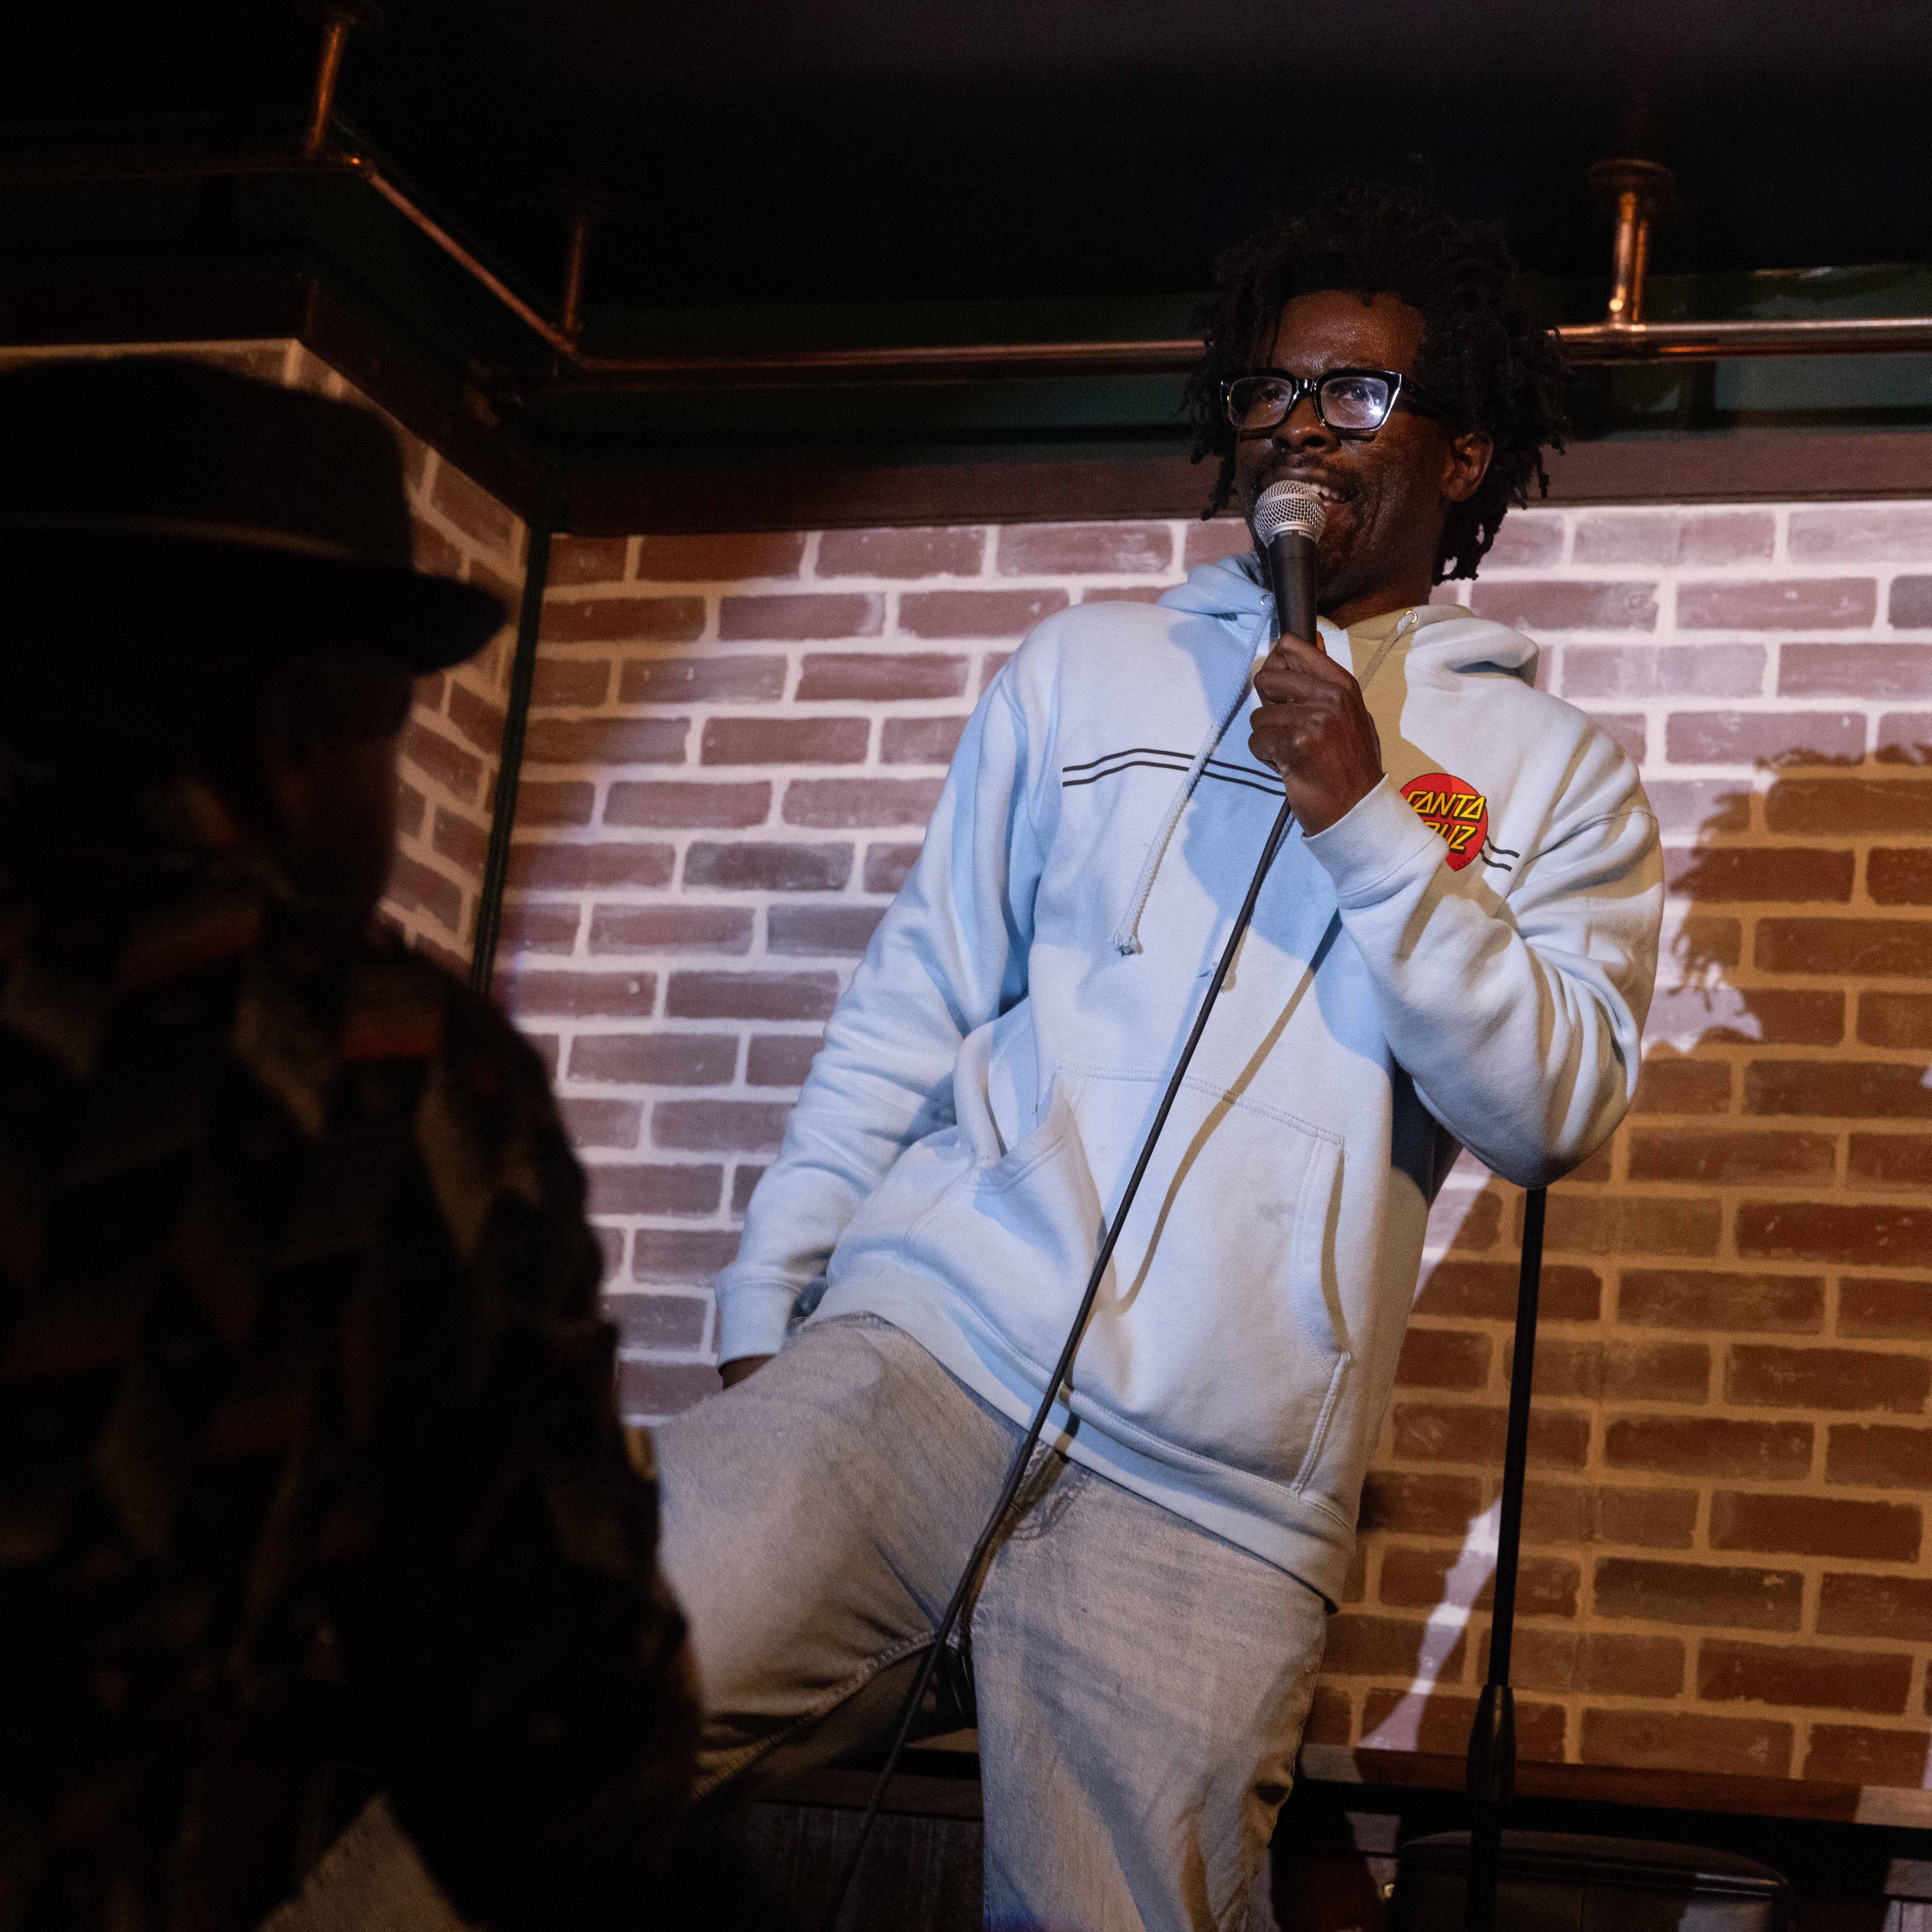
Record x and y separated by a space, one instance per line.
1636 195
339 19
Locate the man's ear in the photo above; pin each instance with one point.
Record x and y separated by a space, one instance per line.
1469 454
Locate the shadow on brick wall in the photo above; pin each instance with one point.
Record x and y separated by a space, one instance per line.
1725 1567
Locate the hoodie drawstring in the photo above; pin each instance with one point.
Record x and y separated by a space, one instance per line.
1126 936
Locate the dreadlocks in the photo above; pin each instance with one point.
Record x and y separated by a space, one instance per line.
1480 352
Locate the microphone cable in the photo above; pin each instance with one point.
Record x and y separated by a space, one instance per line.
1023 1455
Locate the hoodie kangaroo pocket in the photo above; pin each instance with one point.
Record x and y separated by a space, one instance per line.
1218 1328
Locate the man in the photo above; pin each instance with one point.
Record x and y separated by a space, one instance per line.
311 1482
1455 948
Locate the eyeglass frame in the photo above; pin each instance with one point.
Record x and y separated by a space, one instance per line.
1402 391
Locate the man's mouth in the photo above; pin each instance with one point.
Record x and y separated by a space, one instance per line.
1315 486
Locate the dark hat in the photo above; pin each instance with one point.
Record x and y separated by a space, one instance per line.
149 500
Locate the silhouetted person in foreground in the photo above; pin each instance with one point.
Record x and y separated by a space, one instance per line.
311 1480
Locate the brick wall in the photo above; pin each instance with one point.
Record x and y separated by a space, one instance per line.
455 729
735 743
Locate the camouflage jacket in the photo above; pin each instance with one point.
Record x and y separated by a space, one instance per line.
309 1455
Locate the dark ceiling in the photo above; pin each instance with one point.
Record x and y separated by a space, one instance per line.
865 152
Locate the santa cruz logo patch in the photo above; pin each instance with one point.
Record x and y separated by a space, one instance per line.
1456 808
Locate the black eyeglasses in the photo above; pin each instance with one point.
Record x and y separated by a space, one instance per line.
1351 402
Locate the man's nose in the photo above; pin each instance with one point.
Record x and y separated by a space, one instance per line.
1303 425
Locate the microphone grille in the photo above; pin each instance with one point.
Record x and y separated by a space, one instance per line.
1287 506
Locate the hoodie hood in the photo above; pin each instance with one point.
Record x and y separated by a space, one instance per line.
1444 638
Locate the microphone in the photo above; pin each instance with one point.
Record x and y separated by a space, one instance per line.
1286 525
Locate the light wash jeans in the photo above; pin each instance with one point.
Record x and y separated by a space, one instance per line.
1141 1685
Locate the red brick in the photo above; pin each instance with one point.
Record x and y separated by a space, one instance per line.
1854 670
1899 1608
744 1184
1706 941
1729 1671
415 887
1414 1579
662 1189
1787 603
1725 873
1443 1358
1647 1591
1858 1754
1228 536
991 664
1442 1725
587 560
412 808
767 867
1415 1505
530 926
1896 878
686 1255
601 1123
1613 1665
1839 533
1655 1519
1370 1646
1877 1305
570 681
785 741
656 1059
886 866
780 1059
727 680
1633 1224
804 614
879 677
1849 806
721 557
433 552
1667 670
651 1320
1669 1085
669 928
1688 1298
943 552
1709 1445
457 839
1878 1456
1663 1371
1627 604
1889 1160
859 802
1630 731
1895 1019
607 741
473 509
1707 806
563 801
1760 1374
1910 607
1853 1089
752 996
842 930
976 613
747 1127
1714 1159
1459 1220
1465 1433
1086 549
442 759
1687 1741
1487 1290
1785 737
672 803
559 866
1887 1236
580 995
1773 1016
647 1391
633 619
1904 738
919 741
479 720
1331 1718
1815 1526
1874 947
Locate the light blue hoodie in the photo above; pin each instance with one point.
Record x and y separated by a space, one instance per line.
986 1083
